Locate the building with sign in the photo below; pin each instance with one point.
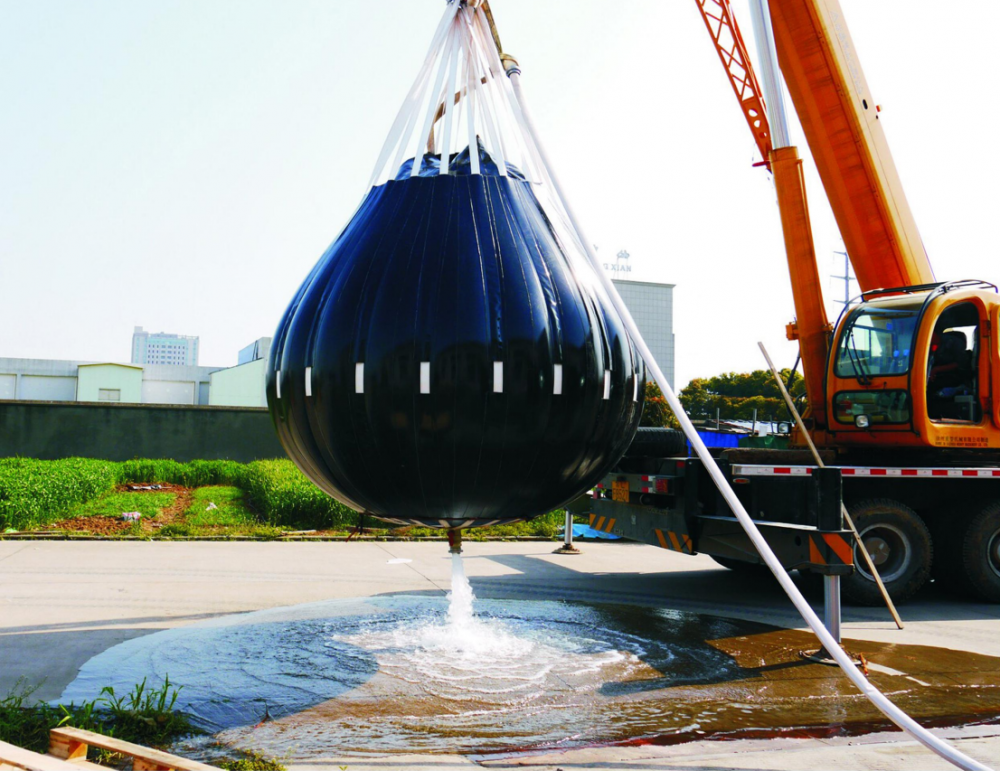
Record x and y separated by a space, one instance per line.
652 307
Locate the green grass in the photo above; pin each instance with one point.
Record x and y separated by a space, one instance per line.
36 492
259 499
230 509
230 516
545 526
283 497
196 473
145 715
150 505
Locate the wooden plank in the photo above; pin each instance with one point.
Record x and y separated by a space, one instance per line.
146 759
67 749
18 757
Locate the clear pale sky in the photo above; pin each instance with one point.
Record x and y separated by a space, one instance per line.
181 164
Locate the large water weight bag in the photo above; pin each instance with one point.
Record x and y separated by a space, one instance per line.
443 363
452 359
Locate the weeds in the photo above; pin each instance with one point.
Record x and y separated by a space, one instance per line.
252 761
145 715
283 497
36 492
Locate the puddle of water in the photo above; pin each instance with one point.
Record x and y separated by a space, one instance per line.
411 673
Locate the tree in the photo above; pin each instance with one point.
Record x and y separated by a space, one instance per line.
736 395
656 412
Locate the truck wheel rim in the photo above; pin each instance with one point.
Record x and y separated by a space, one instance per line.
890 550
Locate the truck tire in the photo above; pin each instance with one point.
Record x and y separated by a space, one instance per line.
652 442
981 553
948 569
901 548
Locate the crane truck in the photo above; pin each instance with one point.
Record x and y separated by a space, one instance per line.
902 392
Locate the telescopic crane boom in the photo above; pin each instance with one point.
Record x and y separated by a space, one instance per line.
915 366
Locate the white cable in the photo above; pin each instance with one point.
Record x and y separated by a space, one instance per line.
490 105
435 91
408 109
890 710
449 102
470 111
484 100
531 164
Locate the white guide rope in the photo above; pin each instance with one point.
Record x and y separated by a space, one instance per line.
461 98
890 710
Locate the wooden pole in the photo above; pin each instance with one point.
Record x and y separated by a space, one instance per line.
819 462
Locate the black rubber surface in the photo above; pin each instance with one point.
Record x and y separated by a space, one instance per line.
462 272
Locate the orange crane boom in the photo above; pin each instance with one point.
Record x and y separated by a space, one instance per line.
811 327
841 123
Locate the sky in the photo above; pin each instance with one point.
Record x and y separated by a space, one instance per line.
182 164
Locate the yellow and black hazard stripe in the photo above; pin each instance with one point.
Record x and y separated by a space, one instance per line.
830 549
604 524
674 541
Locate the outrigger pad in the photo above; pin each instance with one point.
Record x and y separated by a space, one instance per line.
450 360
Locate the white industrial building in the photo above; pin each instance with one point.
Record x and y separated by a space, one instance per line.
93 381
244 384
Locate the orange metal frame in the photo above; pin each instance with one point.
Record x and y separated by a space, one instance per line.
718 17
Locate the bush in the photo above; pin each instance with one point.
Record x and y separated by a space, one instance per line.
36 492
197 473
282 496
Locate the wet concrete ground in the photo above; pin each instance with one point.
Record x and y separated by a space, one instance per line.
62 603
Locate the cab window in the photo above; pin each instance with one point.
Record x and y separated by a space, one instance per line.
952 366
877 342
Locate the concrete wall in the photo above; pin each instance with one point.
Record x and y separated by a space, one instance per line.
240 386
94 378
50 430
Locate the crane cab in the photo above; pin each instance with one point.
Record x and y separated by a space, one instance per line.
916 367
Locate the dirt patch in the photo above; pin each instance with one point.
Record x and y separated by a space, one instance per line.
104 525
176 513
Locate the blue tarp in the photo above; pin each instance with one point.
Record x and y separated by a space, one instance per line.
586 531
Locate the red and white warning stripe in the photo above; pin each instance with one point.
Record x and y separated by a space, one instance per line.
745 470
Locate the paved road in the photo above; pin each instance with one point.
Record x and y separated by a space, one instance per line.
63 602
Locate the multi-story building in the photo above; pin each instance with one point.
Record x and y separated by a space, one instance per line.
164 348
652 307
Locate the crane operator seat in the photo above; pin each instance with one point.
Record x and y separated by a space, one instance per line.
951 378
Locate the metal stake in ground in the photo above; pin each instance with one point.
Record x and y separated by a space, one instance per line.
567 546
819 462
